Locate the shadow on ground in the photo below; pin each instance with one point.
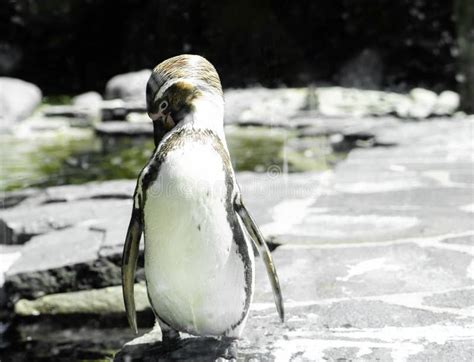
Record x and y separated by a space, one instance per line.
202 349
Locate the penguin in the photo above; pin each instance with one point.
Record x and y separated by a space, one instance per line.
199 236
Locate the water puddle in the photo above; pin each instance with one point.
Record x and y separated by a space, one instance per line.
61 159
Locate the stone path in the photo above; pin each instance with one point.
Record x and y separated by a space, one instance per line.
376 262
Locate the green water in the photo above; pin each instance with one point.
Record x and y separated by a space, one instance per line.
61 158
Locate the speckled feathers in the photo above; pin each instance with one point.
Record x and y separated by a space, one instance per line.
192 69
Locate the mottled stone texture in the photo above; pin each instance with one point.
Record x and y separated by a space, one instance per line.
375 262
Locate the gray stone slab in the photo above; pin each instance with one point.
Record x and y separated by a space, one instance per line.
8 255
363 331
432 197
453 299
102 301
347 302
460 240
67 111
13 198
114 231
460 350
354 301
124 129
57 249
356 223
421 187
325 272
114 189
93 230
262 192
263 106
19 224
54 262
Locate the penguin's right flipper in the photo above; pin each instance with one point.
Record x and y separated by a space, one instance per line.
129 264
264 252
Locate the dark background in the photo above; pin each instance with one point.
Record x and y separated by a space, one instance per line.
71 46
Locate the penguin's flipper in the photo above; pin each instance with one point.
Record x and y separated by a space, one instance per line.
129 265
264 252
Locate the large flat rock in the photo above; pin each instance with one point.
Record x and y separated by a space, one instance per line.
388 301
423 186
396 301
65 260
20 224
73 235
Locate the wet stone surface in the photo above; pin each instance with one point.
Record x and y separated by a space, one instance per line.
376 261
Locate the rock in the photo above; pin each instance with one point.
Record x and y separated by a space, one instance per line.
353 299
425 175
8 255
88 100
110 131
262 106
113 189
118 110
63 261
80 233
124 129
423 103
72 115
364 71
447 104
351 140
128 87
28 276
13 198
114 109
95 301
90 103
380 247
344 102
420 104
39 125
375 298
18 100
19 224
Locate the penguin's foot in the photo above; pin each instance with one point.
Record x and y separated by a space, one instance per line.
170 336
232 348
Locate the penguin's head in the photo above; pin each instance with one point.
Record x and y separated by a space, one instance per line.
175 87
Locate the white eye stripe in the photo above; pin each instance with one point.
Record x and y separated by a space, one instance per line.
165 87
172 81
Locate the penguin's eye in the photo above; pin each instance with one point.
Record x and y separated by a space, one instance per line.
163 105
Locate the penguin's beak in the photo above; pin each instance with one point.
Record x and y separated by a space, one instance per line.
162 120
162 124
155 116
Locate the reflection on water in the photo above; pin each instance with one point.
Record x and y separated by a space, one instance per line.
61 159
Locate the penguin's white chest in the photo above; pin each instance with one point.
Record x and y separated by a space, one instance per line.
195 269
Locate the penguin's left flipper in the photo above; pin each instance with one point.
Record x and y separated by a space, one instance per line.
264 252
129 265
